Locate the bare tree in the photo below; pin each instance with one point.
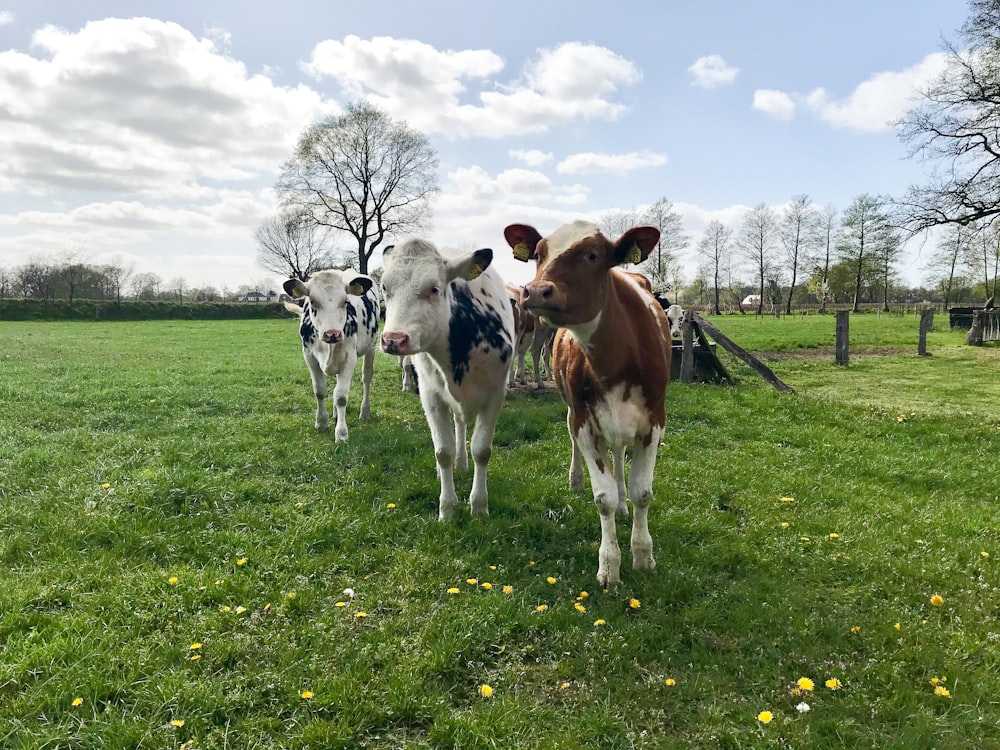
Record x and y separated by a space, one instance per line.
616 222
828 232
291 245
866 234
755 243
37 279
145 285
6 282
956 126
178 285
361 173
662 266
799 228
116 276
983 259
714 248
945 265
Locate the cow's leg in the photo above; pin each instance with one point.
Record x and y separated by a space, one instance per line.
537 344
439 419
482 449
461 443
367 372
575 461
618 454
319 389
605 487
341 394
640 490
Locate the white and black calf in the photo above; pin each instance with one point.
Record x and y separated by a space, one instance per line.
338 323
451 314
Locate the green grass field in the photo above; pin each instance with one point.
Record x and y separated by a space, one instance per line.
176 540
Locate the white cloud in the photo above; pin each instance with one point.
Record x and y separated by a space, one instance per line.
775 103
6 17
880 100
591 163
140 107
430 89
711 71
531 157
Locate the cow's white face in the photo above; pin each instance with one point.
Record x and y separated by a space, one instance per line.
415 283
328 309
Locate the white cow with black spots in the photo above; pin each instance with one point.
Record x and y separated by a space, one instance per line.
452 315
338 323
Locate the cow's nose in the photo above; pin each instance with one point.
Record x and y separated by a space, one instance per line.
332 336
539 293
395 343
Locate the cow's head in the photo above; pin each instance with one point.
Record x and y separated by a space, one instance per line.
327 304
675 314
571 280
415 281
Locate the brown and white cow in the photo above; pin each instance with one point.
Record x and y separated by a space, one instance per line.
338 324
612 364
451 314
531 334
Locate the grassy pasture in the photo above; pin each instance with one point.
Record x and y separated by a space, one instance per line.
176 539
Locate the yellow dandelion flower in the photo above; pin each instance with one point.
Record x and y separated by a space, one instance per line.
551 579
541 607
856 629
487 585
299 506
177 722
344 604
788 499
919 541
583 595
361 614
764 717
935 680
452 590
472 581
834 535
937 600
306 694
804 539
173 580
195 646
202 588
241 609
290 595
833 683
390 506
785 524
579 607
670 682
267 607
984 554
634 604
106 486
493 567
942 691
898 626
508 589
598 623
485 690
531 563
77 702
564 686
805 683
225 608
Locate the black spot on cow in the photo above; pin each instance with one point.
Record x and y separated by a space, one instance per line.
473 327
351 324
371 313
306 328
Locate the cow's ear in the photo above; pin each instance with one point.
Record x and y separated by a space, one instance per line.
470 266
295 288
388 249
523 239
635 245
359 285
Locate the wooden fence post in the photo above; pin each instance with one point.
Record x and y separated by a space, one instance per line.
843 337
926 323
975 335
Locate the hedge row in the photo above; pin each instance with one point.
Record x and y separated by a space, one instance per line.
30 309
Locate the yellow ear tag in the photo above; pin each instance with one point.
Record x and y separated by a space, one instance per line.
475 271
633 255
522 251
356 289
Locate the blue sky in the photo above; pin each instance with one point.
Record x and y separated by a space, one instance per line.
150 133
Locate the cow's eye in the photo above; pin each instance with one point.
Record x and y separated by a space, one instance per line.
434 291
592 257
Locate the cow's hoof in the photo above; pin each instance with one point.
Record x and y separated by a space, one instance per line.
341 437
607 581
643 560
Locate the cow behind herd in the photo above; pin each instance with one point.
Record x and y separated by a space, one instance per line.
466 334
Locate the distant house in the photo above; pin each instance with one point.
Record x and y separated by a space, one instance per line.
256 297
